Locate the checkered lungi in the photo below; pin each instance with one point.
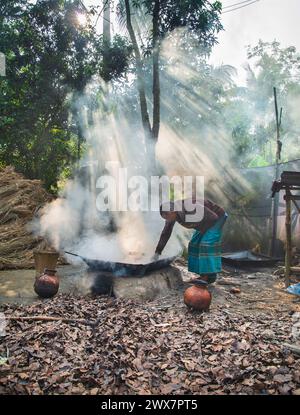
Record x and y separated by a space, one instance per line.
204 251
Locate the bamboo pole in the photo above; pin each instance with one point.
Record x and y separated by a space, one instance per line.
288 228
275 201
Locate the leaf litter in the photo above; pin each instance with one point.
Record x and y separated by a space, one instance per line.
158 347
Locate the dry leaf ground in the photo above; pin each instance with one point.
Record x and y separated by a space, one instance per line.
158 347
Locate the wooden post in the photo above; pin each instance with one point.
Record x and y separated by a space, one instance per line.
275 201
288 228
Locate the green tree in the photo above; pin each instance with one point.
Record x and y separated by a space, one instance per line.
199 18
250 111
50 56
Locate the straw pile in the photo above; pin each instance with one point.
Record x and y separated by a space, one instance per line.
20 200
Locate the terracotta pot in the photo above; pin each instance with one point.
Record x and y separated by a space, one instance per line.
47 284
198 296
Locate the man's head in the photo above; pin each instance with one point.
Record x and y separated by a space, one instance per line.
167 211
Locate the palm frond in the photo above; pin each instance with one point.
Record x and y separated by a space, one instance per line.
225 73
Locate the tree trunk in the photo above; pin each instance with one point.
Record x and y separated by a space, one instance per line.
140 79
106 22
156 79
76 117
79 141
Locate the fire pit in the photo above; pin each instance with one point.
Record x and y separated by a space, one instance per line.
139 281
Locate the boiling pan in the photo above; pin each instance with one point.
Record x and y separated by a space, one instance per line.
249 259
123 269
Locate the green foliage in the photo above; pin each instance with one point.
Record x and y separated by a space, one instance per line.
200 20
250 111
199 17
188 26
115 62
49 56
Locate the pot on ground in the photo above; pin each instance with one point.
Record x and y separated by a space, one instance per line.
47 284
197 296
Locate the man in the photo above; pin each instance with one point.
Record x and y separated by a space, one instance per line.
204 250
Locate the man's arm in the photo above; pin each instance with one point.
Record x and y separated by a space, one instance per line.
165 236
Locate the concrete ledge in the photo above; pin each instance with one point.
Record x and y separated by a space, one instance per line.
149 287
17 286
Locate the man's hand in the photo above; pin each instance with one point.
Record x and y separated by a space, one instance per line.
155 257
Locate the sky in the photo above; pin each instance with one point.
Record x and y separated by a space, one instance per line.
266 20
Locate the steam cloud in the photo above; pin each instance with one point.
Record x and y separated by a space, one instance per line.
73 223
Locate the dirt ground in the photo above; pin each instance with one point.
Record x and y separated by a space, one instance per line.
157 347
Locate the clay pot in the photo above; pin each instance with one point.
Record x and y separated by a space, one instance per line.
47 284
198 297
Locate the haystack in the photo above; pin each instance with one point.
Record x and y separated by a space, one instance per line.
20 201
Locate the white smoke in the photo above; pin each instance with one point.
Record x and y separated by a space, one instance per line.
73 222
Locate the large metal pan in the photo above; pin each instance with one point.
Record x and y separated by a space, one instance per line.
248 259
123 269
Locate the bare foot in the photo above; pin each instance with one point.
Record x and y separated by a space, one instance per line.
199 277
